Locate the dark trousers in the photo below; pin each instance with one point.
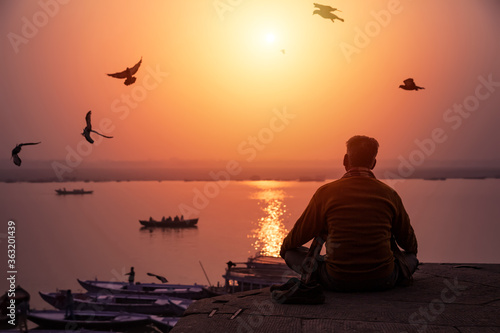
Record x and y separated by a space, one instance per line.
294 258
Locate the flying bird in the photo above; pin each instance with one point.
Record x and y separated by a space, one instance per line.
17 150
327 12
88 129
409 84
127 74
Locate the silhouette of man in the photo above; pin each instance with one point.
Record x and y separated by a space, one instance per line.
131 275
69 314
363 221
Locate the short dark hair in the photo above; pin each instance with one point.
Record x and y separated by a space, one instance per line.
362 151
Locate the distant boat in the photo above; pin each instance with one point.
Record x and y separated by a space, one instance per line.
75 191
145 304
173 290
101 320
170 223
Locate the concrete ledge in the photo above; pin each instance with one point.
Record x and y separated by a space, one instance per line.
444 298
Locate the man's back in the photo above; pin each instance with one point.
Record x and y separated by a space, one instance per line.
360 215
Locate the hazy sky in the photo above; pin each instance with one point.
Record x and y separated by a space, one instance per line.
250 79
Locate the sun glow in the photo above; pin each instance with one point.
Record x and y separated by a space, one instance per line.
270 38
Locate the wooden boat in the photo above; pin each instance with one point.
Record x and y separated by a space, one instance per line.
170 223
172 290
258 272
100 320
164 324
81 330
145 304
75 191
20 295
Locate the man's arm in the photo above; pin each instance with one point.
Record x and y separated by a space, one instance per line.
310 224
402 229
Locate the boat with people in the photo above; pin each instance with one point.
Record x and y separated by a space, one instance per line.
100 320
193 292
169 222
145 304
63 191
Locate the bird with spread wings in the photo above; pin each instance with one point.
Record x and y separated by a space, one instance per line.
17 150
127 74
327 12
88 129
409 84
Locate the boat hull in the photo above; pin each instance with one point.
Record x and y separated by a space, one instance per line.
74 192
172 290
151 305
101 320
164 324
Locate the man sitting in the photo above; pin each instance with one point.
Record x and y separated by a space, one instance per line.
363 221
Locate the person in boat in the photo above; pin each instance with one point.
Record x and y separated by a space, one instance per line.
182 217
163 218
363 221
176 218
169 219
131 275
69 307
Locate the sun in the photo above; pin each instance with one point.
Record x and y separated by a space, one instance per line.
270 38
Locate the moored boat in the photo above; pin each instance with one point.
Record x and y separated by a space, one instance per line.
174 290
79 330
7 312
75 191
164 324
258 272
170 223
145 304
101 320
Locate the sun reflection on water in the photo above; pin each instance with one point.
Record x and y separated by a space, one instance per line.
270 230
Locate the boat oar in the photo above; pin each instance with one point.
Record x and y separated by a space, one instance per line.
159 277
204 272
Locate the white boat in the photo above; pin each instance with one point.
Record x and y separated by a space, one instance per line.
174 290
145 304
100 320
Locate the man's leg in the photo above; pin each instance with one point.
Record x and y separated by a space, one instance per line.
411 261
295 257
406 265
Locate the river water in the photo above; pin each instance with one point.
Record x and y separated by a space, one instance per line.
61 238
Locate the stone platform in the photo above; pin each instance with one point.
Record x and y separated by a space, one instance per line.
444 298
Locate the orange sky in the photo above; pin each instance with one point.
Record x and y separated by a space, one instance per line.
223 89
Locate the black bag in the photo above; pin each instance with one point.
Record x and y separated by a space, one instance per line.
297 292
306 290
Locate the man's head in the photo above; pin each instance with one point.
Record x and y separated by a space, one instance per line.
361 152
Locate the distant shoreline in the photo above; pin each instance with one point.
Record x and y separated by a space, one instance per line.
217 170
298 179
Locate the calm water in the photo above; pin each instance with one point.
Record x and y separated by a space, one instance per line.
62 238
